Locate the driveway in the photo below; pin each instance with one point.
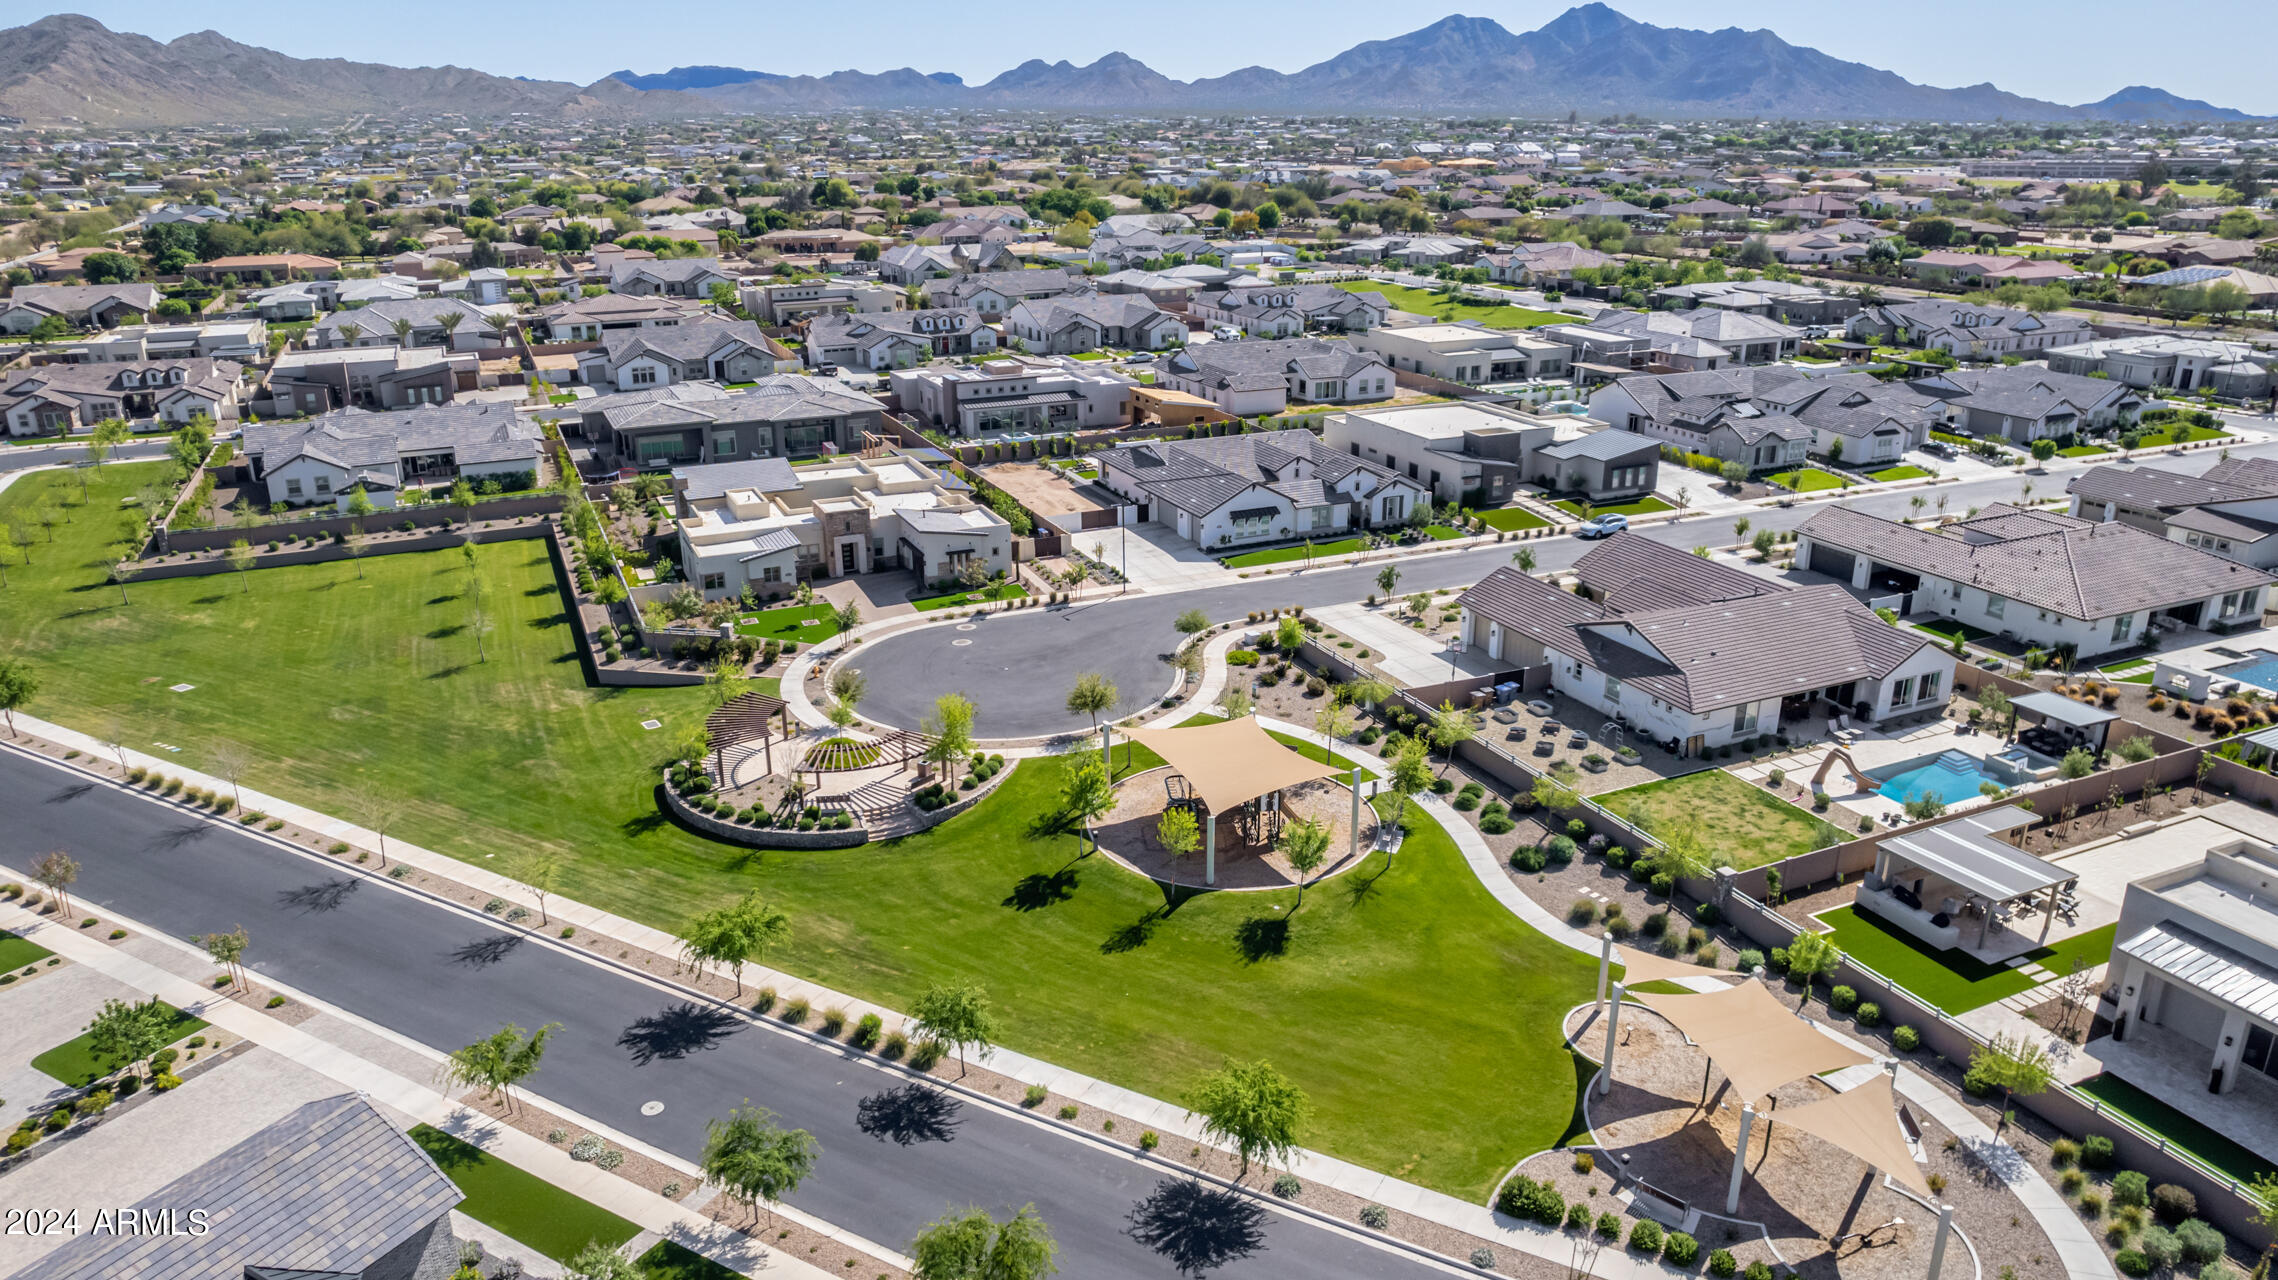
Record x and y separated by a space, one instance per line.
893 1157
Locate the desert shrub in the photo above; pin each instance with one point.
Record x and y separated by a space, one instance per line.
1609 1226
2159 1246
1523 1197
1035 1096
1758 1270
588 1147
924 1054
1869 1014
1748 960
2062 1152
796 1011
763 1001
2200 1242
2171 1203
895 1046
1287 1186
2132 1263
1680 1250
1560 850
1645 1236
1483 1258
2130 1189
866 1031
1905 1039
1584 1162
2092 1204
1584 911
1843 999
1527 858
1375 1217
2095 1151
1577 1216
1722 1263
2072 1180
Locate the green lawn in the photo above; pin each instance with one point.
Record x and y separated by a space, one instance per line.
519 1203
1416 1012
1742 825
1424 302
805 624
16 952
1093 355
2083 450
1443 532
961 599
1512 519
669 1261
1644 506
2179 1129
1952 980
76 1063
1899 473
1310 750
1806 480
1282 555
1944 628
2181 433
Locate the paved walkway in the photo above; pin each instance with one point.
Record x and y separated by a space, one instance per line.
658 1217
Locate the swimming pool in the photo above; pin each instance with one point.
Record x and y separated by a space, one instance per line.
2259 668
1953 777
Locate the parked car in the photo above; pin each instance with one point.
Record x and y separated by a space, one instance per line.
1226 333
827 369
1140 357
1602 526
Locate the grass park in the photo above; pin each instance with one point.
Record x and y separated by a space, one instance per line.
1419 1015
1424 302
1741 825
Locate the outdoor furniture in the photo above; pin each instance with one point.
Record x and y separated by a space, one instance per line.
1178 793
1518 733
1539 707
1552 728
1544 746
1578 740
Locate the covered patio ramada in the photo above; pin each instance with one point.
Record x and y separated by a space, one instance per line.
1235 768
2061 723
1933 882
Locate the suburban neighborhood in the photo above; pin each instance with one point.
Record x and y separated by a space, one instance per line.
1380 646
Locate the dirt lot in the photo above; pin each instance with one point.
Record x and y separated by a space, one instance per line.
1040 489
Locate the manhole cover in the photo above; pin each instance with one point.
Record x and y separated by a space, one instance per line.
959 644
652 724
967 626
651 1107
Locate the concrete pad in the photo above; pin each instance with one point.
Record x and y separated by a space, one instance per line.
41 1013
126 1158
1407 655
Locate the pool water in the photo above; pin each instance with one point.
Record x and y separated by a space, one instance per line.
2261 669
1953 777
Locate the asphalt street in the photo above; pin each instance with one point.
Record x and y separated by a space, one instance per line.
1017 667
24 457
895 1155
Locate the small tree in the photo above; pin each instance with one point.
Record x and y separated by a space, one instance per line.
1367 691
356 542
379 810
1554 790
734 935
1178 832
950 729
538 873
463 497
109 434
230 761
1253 1106
124 1034
240 557
1387 578
18 685
1451 726
1305 843
957 1016
1810 955
848 687
848 616
1092 693
2012 1065
1332 720
970 1245
1235 701
1086 793
1733 473
2264 1195
597 1261
748 1154
498 1062
1524 557
57 871
1411 773
1192 622
1998 709
226 950
2043 450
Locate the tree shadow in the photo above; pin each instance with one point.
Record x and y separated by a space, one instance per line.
1262 938
909 1115
1134 935
1197 1228
445 633
546 590
484 952
443 599
212 599
69 792
181 837
548 622
1359 888
652 819
1037 890
325 895
679 1030
447 672
1045 826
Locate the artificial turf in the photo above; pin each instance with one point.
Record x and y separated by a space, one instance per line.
2179 1129
1742 826
1899 473
804 624
520 1204
1954 981
1418 1014
964 599
1512 519
1806 480
1282 555
76 1063
1644 506
669 1261
17 951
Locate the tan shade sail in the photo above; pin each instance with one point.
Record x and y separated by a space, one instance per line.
1232 762
1751 1037
1639 965
1864 1122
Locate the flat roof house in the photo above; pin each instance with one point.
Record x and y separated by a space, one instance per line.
1266 376
322 459
1695 654
587 319
791 301
1468 353
2163 360
2195 971
1031 395
2047 579
310 382
1226 492
1479 454
761 525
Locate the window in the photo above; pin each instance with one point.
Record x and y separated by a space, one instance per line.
644 375
715 581
1320 517
2123 626
723 444
1613 691
292 488
772 573
1902 692
324 484
1929 689
1744 718
1994 605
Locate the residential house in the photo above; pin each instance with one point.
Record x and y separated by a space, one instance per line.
908 264
1540 266
897 339
587 319
781 416
1071 323
2039 577
2173 361
1771 419
1781 300
1031 395
84 306
1267 375
2022 404
1965 331
760 527
670 277
1989 268
241 340
790 302
2230 510
324 458
1289 311
1701 656
264 268
1118 252
719 350
424 322
1479 454
2261 290
1467 352
1410 250
54 399
390 377
1710 338
995 293
1226 492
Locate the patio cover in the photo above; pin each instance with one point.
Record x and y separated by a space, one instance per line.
1965 852
2064 710
1640 965
1232 762
2208 967
1752 1038
1864 1122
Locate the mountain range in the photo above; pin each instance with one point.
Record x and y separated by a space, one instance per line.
1590 59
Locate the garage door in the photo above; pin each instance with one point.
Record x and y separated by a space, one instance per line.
1833 563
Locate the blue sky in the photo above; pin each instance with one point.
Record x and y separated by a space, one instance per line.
2070 52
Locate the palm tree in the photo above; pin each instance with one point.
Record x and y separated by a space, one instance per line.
351 332
402 331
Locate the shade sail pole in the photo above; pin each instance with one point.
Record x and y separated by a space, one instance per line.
1739 1158
1210 849
1356 813
1613 1021
1938 1243
1605 967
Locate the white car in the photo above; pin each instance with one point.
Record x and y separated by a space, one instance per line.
1226 333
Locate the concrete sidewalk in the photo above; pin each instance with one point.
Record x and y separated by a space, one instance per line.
658 1217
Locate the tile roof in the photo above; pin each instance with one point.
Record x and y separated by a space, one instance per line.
713 480
474 433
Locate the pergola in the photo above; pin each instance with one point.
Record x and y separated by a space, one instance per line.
1965 856
1232 763
2064 723
747 717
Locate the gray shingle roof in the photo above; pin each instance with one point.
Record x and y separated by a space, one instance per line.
768 475
330 1188
473 432
691 341
1272 361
